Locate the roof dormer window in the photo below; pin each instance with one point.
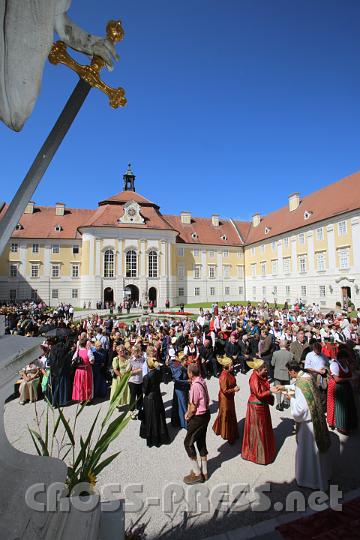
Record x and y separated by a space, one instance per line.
194 235
307 214
223 237
58 228
19 227
267 230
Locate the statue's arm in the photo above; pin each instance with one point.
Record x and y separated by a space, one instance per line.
76 38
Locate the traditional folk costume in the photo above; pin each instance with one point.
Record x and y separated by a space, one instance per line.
181 394
341 408
312 435
153 425
258 442
83 386
225 424
121 364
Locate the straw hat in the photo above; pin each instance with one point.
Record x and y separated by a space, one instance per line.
181 355
152 363
255 363
224 361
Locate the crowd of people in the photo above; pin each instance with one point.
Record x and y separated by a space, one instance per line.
299 357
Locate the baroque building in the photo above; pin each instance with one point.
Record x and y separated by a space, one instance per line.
126 248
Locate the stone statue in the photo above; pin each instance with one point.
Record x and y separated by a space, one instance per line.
26 36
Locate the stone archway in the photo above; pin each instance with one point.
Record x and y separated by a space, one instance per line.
153 295
108 295
132 293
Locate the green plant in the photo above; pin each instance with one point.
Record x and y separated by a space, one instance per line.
86 462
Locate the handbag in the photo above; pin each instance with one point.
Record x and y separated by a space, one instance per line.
77 361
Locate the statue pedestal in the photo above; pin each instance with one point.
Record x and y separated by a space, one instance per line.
19 471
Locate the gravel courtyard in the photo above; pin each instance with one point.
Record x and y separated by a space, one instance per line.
156 468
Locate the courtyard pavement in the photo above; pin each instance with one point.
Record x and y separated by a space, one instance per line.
157 469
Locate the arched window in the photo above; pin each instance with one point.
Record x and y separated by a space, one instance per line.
109 263
131 264
153 264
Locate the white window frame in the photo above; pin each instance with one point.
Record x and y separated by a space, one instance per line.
197 291
302 238
286 241
14 247
196 252
320 233
180 251
153 263
226 253
211 254
226 271
253 270
76 249
344 258
302 262
322 291
227 291
241 290
74 293
34 271
212 271
286 265
274 267
181 291
35 248
303 291
181 272
109 264
55 294
13 270
342 228
320 261
263 268
75 271
55 248
212 291
55 271
131 263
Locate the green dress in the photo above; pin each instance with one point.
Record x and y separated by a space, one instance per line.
123 366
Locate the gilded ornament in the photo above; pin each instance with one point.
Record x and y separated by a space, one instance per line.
91 73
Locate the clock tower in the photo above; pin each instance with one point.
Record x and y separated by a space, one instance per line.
129 179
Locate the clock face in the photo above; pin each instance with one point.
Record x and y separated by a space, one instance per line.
131 212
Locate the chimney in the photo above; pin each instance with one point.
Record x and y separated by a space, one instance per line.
29 207
215 220
60 209
185 218
294 201
256 220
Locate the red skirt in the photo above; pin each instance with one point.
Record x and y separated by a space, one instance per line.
258 442
330 405
83 384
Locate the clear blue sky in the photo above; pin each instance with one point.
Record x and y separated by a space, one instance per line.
232 105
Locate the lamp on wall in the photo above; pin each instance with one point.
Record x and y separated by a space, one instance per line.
331 289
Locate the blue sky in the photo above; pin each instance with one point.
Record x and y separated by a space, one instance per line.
232 105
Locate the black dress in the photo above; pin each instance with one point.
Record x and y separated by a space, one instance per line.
153 425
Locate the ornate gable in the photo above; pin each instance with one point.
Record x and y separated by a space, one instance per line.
131 213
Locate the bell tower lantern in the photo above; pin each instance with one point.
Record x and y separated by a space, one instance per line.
129 179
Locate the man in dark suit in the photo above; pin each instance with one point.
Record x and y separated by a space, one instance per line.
281 375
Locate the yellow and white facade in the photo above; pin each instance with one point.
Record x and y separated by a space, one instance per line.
310 249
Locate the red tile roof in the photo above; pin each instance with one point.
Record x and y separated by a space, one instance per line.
335 199
107 215
126 196
42 223
205 231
